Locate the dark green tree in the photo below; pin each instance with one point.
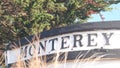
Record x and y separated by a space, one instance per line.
20 18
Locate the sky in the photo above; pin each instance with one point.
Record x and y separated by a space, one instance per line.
111 15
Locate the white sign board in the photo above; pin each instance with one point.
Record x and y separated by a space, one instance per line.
76 41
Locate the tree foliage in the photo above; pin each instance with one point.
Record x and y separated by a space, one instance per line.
20 18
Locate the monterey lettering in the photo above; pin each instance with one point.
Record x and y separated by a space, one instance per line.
75 41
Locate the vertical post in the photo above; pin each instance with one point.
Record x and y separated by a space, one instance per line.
5 54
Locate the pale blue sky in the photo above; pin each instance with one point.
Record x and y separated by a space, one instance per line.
109 15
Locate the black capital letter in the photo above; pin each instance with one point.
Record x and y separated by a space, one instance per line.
90 39
64 42
24 51
30 50
77 39
53 42
107 37
42 46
